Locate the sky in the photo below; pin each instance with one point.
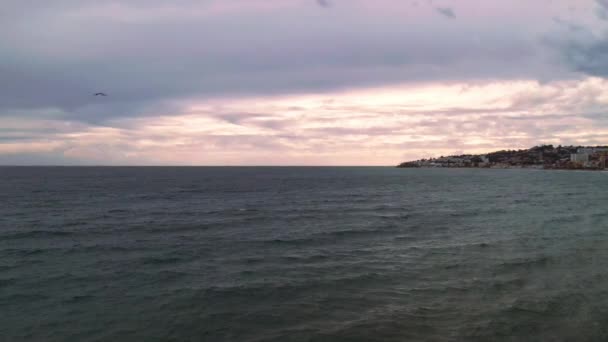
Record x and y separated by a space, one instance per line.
297 82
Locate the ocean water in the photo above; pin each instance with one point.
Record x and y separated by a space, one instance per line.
302 254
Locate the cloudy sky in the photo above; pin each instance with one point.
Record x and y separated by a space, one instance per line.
297 82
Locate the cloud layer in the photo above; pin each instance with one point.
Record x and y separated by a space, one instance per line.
381 124
235 82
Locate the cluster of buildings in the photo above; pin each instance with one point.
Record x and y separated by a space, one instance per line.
539 157
590 157
451 161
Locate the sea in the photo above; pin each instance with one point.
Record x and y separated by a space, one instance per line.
258 254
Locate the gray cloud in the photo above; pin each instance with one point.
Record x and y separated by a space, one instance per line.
583 47
580 48
446 12
237 118
602 9
152 56
53 158
147 60
573 27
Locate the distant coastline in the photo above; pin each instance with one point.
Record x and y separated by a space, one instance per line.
545 157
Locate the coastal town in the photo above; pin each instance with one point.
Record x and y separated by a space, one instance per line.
538 157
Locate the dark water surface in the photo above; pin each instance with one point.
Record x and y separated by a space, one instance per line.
302 254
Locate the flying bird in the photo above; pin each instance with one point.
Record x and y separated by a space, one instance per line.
446 12
324 3
100 94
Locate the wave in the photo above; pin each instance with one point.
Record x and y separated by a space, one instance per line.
306 258
4 282
161 260
332 236
117 211
36 234
518 264
25 297
78 299
99 248
277 288
562 219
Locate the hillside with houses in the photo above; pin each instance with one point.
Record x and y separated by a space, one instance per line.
539 157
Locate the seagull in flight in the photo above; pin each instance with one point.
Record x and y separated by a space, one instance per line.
100 94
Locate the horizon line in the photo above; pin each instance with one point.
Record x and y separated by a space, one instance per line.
169 165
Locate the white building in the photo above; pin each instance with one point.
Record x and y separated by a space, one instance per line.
579 157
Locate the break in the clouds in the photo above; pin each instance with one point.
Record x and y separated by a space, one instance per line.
296 81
